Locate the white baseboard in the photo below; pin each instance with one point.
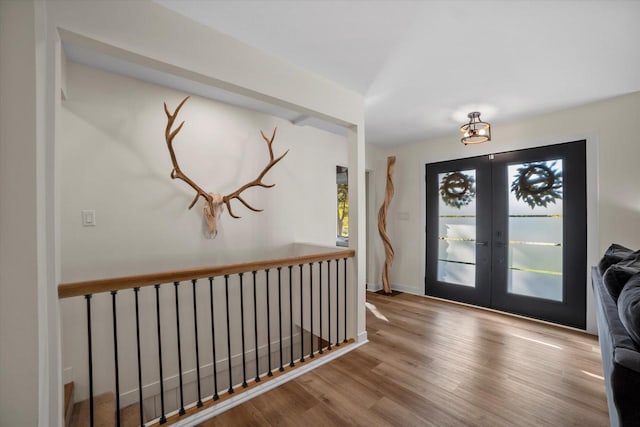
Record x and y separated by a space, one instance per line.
263 388
206 370
67 375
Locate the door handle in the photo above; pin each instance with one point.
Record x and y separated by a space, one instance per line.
500 245
482 243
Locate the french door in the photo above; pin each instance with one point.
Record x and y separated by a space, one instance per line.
508 231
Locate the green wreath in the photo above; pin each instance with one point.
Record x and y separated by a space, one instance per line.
537 184
457 189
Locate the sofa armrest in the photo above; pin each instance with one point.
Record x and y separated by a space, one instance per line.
630 359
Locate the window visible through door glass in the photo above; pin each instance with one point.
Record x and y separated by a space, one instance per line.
535 229
457 228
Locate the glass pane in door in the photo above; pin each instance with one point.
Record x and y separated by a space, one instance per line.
457 228
535 229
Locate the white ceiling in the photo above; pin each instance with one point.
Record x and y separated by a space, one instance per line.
423 65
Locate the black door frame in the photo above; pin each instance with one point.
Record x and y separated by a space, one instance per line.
478 295
572 310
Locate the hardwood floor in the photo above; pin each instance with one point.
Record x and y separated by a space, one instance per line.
433 363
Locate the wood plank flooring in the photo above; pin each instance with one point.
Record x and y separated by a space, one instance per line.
433 363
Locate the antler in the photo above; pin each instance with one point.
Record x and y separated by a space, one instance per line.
212 200
256 182
176 173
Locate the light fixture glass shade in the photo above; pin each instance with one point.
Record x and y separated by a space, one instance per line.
475 131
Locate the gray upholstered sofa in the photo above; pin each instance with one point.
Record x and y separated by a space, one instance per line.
620 358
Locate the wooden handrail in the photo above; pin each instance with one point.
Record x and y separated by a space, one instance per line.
67 290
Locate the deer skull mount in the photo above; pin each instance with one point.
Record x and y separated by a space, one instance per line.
214 201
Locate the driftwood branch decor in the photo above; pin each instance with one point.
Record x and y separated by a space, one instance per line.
382 224
214 201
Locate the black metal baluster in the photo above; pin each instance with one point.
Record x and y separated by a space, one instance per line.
280 316
163 419
195 327
311 355
135 291
255 326
320 307
337 303
269 373
213 343
291 363
329 303
301 319
88 298
226 296
244 362
115 354
181 411
345 300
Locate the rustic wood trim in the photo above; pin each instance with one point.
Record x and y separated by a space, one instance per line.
67 290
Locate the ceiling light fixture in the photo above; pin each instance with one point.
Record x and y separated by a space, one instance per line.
475 131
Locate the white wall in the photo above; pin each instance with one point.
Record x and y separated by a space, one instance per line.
25 356
114 159
613 194
375 157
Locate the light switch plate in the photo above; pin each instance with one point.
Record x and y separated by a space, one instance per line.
88 218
